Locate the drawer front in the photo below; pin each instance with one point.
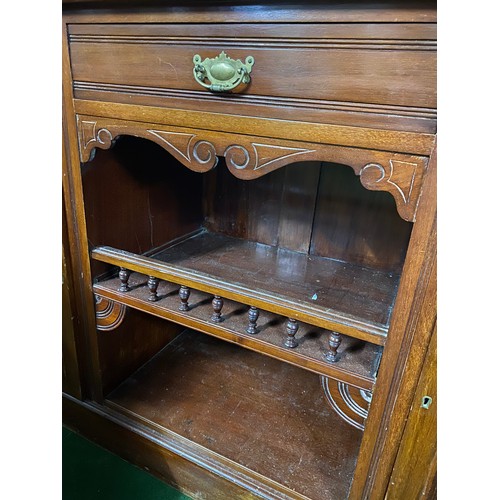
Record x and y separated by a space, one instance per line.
379 75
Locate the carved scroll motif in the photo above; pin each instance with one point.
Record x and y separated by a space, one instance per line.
198 155
350 403
242 161
109 314
398 177
90 137
249 157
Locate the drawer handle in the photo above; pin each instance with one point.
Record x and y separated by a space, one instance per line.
221 73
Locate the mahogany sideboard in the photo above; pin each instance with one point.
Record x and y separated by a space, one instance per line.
249 252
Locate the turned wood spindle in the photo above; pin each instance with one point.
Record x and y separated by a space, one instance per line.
124 275
217 304
253 316
334 341
291 329
184 293
153 286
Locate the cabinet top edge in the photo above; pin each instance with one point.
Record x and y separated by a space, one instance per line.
390 11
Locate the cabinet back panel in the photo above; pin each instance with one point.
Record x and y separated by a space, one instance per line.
309 207
276 209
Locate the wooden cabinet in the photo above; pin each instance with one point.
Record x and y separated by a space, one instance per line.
250 200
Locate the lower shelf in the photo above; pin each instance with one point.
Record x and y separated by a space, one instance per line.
269 417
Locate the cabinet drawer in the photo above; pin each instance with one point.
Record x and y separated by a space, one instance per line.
379 75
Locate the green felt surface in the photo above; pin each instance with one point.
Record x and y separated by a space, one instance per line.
90 472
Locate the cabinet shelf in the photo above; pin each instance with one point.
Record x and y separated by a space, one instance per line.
356 360
269 418
327 293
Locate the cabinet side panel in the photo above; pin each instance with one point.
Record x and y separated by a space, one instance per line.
412 324
77 243
123 350
70 366
417 456
138 197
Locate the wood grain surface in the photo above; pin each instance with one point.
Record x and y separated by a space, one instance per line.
208 391
417 454
381 72
220 11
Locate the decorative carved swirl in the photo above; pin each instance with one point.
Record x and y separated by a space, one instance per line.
248 158
237 157
204 153
397 177
109 314
90 137
243 162
372 173
350 403
199 156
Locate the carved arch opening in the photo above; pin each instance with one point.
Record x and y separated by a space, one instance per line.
250 157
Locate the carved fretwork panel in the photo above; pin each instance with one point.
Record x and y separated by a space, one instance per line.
249 157
192 151
109 314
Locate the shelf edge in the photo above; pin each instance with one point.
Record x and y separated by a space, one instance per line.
252 297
